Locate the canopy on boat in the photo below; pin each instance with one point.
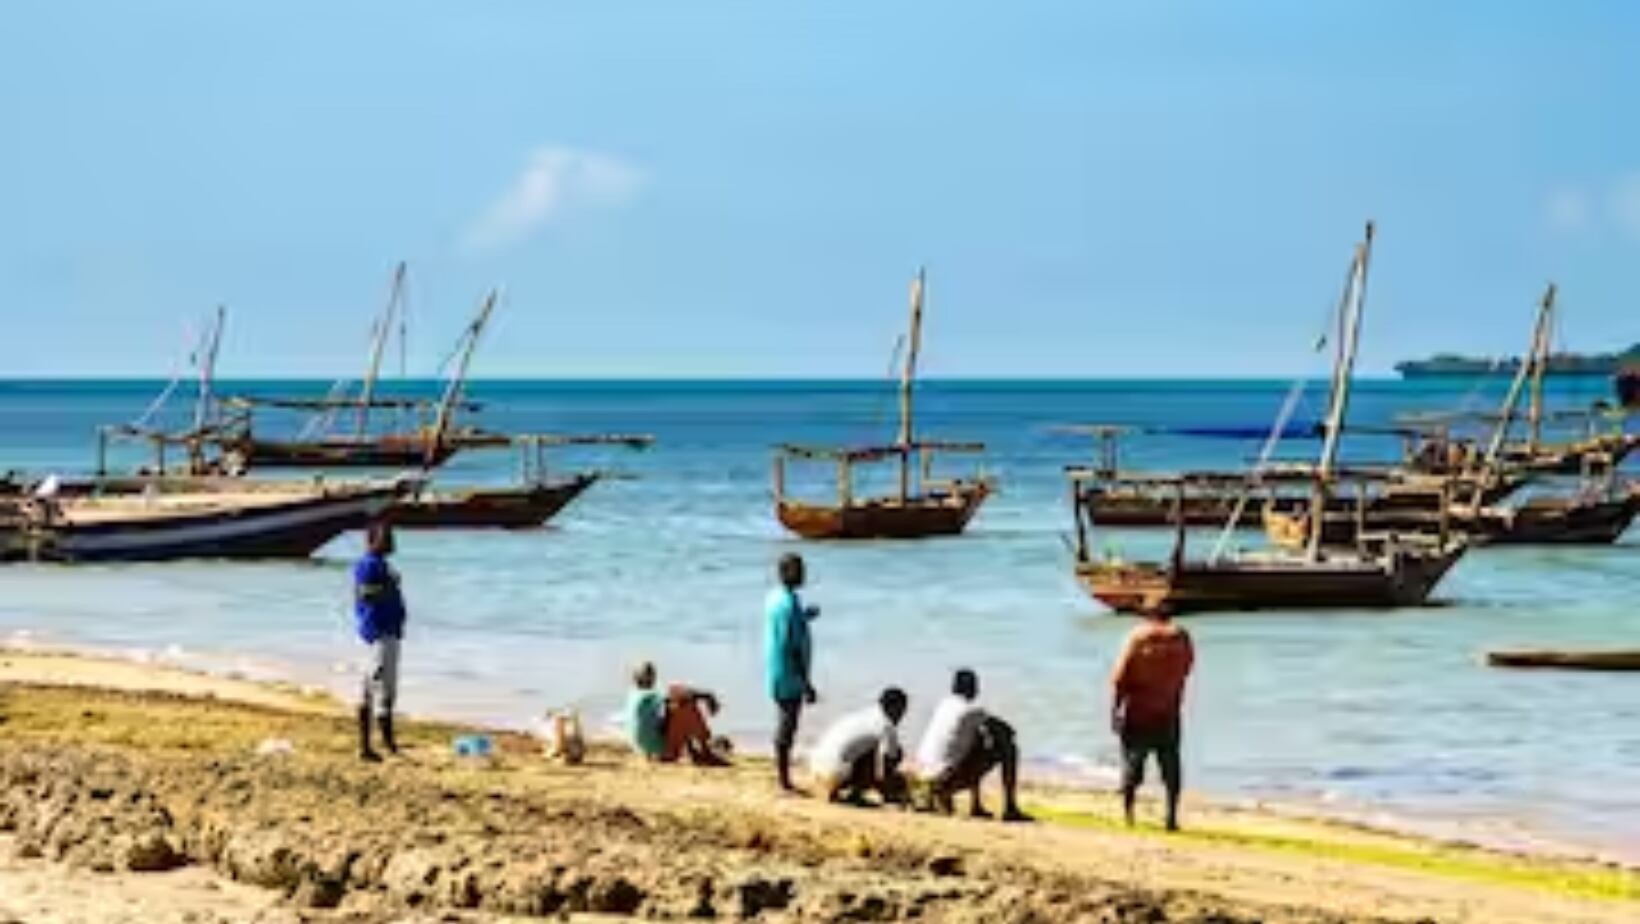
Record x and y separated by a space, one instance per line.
874 453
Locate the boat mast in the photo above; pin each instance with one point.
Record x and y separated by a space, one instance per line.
1529 370
1540 364
452 393
384 329
907 375
207 367
1338 402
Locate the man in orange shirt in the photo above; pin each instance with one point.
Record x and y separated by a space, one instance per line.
1147 693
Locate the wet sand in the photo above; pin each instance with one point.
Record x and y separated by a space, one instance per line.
140 785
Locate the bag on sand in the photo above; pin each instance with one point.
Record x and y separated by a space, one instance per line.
564 739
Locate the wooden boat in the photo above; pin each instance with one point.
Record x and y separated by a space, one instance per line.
921 507
246 520
1594 453
536 499
506 507
1596 514
1379 572
1539 521
1607 660
428 445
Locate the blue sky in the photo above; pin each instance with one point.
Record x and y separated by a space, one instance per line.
744 189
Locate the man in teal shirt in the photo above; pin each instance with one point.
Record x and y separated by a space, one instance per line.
788 651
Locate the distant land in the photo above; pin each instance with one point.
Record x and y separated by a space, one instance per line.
1582 364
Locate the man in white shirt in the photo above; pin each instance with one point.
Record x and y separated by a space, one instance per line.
860 752
963 744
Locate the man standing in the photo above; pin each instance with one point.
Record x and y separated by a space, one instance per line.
962 744
378 607
1147 695
860 753
787 655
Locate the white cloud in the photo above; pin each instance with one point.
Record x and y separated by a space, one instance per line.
555 181
1567 211
1623 204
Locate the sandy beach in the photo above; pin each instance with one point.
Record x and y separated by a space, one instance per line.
136 792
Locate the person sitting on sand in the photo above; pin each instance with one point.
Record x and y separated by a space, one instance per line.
1147 696
378 607
665 728
860 753
962 744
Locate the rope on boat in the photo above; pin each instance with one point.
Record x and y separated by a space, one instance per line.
1295 393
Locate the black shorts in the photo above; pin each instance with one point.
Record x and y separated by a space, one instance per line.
1137 746
785 729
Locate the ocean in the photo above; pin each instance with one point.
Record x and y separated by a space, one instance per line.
1384 717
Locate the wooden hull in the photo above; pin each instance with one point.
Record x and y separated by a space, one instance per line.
293 528
498 508
1244 584
944 513
1617 660
1545 521
1598 454
386 452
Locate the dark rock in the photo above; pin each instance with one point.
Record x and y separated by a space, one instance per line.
150 852
616 895
758 895
946 865
319 892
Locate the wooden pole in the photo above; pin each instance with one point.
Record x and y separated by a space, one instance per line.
1079 510
779 478
845 482
1541 344
452 394
102 452
378 345
1177 562
907 375
207 367
1349 327
1511 401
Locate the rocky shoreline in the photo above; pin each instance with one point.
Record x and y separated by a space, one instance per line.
123 782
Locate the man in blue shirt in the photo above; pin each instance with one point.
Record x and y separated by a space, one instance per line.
788 653
378 608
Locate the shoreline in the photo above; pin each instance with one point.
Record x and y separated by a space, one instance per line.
135 784
26 662
177 730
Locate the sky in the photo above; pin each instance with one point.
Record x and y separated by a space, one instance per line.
716 189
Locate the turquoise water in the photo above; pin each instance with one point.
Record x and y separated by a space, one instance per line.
1383 716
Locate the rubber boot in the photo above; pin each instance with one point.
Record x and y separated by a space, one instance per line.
385 724
365 752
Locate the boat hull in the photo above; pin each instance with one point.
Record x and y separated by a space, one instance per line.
295 528
1618 660
1238 585
384 453
499 508
943 513
1542 522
